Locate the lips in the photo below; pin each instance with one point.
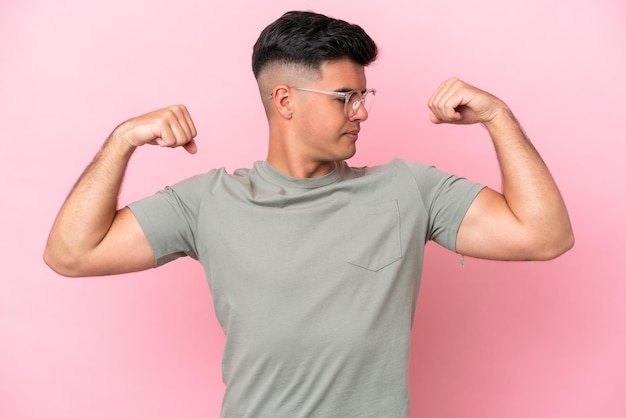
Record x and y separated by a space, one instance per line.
353 133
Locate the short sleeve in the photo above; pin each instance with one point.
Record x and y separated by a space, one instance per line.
446 198
169 219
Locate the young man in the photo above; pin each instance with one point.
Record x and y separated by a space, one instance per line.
314 266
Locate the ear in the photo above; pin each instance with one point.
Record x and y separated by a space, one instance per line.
281 97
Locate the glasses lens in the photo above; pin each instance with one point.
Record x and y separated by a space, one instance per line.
368 99
352 103
356 100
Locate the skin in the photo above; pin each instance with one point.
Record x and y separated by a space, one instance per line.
309 132
528 220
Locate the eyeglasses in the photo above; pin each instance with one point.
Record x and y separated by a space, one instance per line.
352 99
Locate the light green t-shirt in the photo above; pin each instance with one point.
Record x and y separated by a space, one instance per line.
314 281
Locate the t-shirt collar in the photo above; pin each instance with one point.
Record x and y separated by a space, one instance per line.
284 180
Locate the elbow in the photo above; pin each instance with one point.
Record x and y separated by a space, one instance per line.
54 263
565 244
60 264
555 246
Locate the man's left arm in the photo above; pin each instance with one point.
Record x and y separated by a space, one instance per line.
528 220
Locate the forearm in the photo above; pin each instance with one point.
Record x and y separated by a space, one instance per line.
528 220
528 187
90 236
91 206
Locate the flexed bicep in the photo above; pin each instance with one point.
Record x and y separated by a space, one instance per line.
90 236
124 248
490 230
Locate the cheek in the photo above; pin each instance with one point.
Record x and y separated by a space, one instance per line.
323 120
328 122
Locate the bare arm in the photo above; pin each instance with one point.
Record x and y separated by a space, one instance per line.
90 236
528 220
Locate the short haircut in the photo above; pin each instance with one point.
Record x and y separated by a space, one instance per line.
309 39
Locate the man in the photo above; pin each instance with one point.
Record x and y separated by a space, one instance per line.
314 266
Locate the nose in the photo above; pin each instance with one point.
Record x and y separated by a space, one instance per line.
361 113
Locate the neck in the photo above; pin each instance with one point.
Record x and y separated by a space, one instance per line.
300 169
288 154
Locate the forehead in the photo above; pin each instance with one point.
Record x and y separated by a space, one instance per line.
342 74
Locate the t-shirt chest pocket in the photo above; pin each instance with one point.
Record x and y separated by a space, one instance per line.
374 235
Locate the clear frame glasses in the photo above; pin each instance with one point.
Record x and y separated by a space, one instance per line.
353 99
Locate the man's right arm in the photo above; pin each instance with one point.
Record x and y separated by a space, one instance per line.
91 236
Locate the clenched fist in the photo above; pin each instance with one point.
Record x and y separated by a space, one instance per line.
168 127
457 102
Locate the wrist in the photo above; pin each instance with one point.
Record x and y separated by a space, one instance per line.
120 144
502 116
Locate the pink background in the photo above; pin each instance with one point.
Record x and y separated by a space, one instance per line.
490 339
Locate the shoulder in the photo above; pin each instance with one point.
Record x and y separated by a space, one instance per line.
399 170
213 179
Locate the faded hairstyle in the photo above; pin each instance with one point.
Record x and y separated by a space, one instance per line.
309 39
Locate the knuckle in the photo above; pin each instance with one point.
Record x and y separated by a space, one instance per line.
177 110
164 117
170 112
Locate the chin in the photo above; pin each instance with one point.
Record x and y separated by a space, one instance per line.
340 155
349 153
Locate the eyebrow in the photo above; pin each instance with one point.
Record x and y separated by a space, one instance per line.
345 90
